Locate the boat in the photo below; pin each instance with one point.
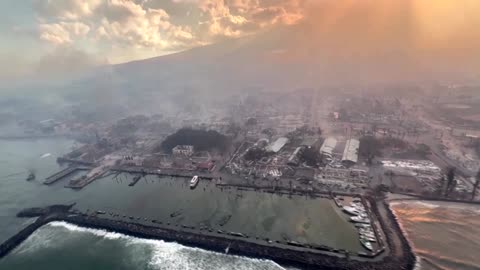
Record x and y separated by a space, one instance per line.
31 176
366 244
371 239
176 213
350 210
194 181
359 219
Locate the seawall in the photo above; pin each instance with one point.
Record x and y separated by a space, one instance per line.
395 260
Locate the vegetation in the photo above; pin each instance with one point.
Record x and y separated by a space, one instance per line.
233 129
476 184
380 191
451 183
251 121
255 154
269 132
202 140
370 147
423 150
310 156
300 133
477 147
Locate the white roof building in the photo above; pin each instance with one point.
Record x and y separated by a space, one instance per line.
328 146
350 154
277 145
183 150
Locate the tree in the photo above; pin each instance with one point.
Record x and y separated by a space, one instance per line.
310 156
370 148
255 154
475 185
202 140
251 121
442 185
450 181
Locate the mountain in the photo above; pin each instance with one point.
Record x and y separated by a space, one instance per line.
362 44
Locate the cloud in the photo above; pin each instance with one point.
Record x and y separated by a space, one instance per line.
63 32
66 9
148 24
227 18
120 23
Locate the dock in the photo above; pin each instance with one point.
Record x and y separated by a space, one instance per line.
84 181
135 180
63 173
165 172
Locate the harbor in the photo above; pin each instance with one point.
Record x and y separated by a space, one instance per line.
287 253
64 173
356 219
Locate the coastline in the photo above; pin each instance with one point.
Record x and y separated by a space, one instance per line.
399 257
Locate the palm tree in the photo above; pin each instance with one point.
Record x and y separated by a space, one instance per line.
450 181
475 185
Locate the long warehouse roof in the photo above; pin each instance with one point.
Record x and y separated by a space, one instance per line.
328 146
351 151
277 145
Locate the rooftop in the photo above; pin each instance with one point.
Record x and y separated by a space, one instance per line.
277 145
351 150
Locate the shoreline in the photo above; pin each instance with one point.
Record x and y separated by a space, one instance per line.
414 197
398 257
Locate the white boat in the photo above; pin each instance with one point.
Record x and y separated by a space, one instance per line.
351 210
366 244
363 226
194 181
359 219
371 239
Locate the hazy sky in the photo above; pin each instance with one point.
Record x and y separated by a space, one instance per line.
58 35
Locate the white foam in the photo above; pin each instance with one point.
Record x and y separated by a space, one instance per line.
427 204
97 232
45 155
418 263
170 255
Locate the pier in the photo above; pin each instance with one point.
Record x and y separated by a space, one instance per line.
135 180
74 161
85 180
162 172
63 173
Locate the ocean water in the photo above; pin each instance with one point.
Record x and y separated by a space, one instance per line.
61 245
170 200
444 236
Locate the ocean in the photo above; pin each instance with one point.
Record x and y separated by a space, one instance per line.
444 235
60 245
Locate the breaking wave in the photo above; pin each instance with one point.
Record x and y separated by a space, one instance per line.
170 255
